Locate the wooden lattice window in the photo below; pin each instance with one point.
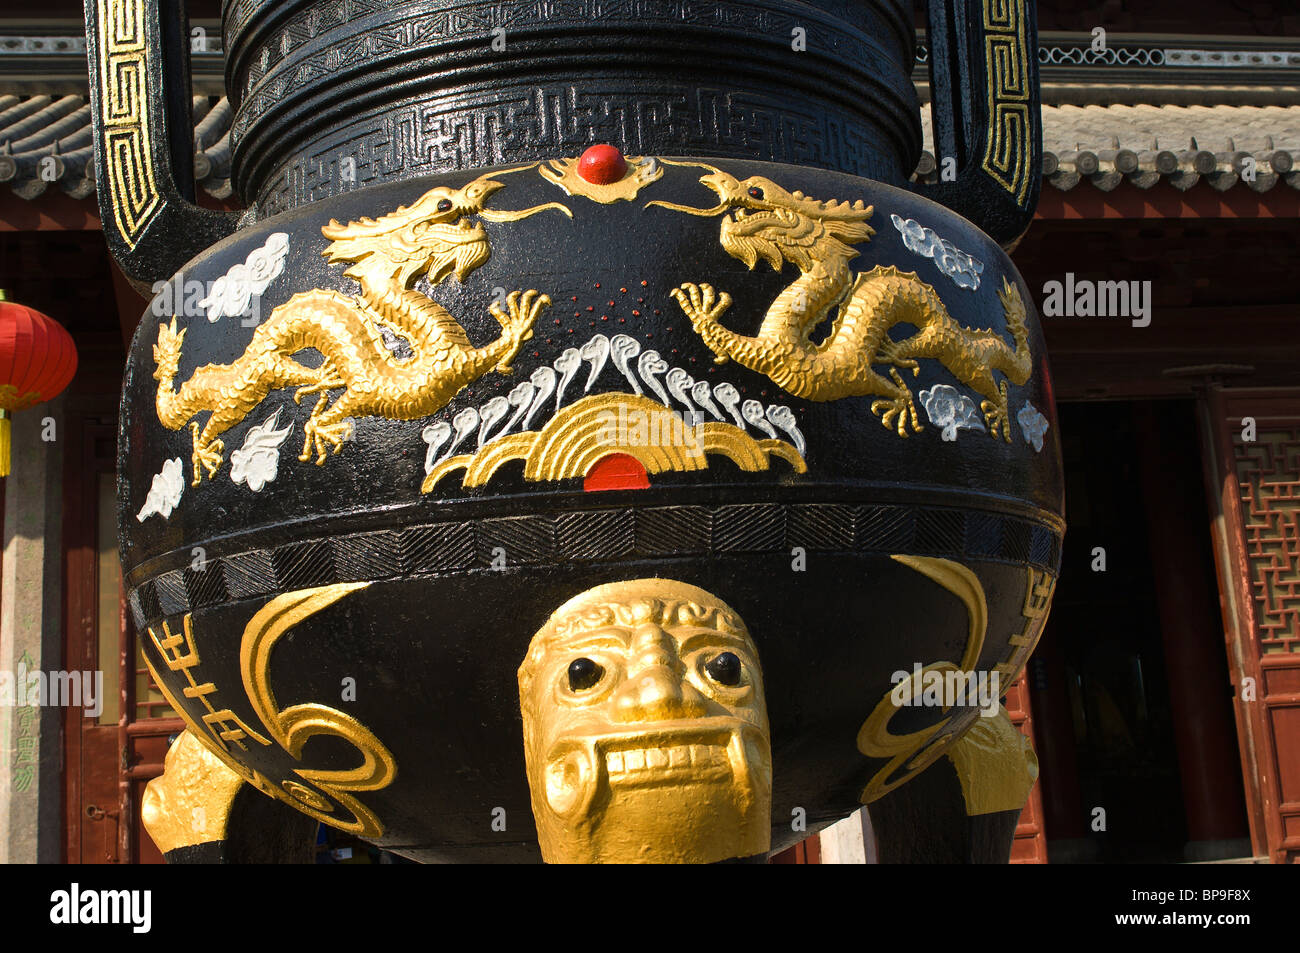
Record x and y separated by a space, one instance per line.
1269 472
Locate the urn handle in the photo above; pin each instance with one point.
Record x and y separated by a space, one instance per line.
988 137
138 53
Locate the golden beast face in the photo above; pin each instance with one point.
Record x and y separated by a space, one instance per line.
645 729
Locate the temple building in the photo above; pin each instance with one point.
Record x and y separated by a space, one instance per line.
1163 700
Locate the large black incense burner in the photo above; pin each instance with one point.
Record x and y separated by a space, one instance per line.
525 304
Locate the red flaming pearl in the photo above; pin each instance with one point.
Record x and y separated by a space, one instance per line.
602 165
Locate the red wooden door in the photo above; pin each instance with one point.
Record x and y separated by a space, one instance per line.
109 754
1252 438
92 610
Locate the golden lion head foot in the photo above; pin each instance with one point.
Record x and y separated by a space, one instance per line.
633 754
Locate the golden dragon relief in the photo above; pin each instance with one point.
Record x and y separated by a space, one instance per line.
433 236
779 227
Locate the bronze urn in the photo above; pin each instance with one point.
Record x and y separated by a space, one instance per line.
587 431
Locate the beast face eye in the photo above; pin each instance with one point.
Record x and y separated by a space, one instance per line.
756 193
584 674
444 205
724 668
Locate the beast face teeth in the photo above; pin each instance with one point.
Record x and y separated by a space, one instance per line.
659 763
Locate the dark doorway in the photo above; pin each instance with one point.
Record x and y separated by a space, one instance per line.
1112 680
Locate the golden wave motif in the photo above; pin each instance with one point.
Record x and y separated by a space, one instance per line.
580 435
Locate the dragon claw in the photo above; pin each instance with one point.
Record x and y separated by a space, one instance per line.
523 307
891 352
701 302
900 408
328 382
206 456
996 418
324 438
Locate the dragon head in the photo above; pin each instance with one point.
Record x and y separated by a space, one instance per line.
167 352
433 236
770 223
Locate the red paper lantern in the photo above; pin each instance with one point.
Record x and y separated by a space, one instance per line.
37 361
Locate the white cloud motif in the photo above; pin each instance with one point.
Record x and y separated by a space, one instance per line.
232 293
257 461
1033 424
165 493
963 269
949 408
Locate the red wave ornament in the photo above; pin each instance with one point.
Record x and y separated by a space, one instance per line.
37 361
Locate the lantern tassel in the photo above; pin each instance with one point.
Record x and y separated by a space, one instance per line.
4 443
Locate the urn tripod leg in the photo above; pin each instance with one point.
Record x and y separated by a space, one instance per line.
201 812
964 808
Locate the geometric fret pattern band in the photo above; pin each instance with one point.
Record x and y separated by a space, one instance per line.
595 536
127 152
1006 58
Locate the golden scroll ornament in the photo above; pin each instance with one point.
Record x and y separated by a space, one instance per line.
317 792
911 752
